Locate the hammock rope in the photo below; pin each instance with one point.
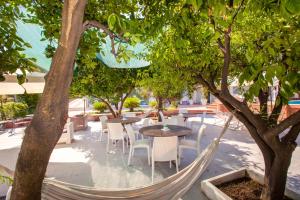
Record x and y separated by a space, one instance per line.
173 187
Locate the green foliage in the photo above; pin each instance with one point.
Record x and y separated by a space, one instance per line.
163 82
99 106
31 100
265 43
13 110
174 104
153 104
131 103
103 82
5 180
11 45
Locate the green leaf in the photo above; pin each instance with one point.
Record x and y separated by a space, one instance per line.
112 19
292 6
195 3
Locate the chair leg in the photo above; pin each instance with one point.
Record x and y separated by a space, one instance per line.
148 152
101 134
179 155
107 145
152 170
170 164
123 146
127 143
130 154
176 162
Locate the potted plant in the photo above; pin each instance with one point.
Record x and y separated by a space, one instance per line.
231 184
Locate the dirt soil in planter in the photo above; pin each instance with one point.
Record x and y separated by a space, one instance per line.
243 189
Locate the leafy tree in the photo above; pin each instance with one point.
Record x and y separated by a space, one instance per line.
71 24
164 84
110 85
254 41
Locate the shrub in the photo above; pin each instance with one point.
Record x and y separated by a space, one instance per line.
31 100
13 110
131 103
174 104
99 106
153 104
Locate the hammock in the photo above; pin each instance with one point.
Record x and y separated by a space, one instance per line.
171 188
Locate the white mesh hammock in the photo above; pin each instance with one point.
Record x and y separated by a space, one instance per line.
172 187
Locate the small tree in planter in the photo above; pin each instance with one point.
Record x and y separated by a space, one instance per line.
132 103
110 85
165 85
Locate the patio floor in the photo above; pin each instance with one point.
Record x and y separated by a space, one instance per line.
86 162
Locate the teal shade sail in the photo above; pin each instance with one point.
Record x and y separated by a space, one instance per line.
32 34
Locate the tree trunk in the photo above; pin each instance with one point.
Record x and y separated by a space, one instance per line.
109 107
208 98
276 175
51 114
159 108
123 100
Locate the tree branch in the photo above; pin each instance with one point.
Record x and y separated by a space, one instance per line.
123 100
225 70
273 118
263 104
290 121
292 135
235 15
221 46
89 24
108 106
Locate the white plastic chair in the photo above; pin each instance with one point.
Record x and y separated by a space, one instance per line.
203 116
143 123
191 144
135 144
67 137
115 132
180 120
103 121
164 149
146 114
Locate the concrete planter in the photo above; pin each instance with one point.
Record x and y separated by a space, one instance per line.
212 192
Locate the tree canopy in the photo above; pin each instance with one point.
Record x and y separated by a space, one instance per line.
110 85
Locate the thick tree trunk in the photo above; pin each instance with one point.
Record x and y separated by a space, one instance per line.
276 175
51 114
